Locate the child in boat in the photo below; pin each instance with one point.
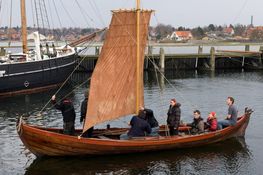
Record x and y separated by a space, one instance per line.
212 121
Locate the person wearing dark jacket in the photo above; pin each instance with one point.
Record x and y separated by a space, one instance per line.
83 111
68 113
197 126
173 117
139 127
149 117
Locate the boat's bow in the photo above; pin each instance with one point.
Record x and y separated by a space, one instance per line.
242 130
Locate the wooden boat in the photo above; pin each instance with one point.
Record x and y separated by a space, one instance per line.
51 142
116 90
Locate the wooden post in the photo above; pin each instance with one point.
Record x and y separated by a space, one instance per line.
150 50
162 59
212 59
2 51
97 50
261 55
200 51
243 61
246 48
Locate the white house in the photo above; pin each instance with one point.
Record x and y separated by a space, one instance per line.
181 35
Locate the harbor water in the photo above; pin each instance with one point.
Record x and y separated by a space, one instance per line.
206 91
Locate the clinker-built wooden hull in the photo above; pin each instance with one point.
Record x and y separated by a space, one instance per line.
49 142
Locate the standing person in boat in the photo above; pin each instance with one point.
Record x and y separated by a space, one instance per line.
231 118
173 117
149 117
83 112
68 113
197 126
139 127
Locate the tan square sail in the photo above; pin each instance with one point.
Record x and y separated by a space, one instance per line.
113 83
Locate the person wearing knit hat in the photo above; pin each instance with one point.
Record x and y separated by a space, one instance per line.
173 117
212 121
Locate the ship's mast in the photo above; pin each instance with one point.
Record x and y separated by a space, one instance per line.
138 63
23 25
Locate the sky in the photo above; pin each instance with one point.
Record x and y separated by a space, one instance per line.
97 13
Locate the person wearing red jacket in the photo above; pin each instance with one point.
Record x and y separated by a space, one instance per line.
212 121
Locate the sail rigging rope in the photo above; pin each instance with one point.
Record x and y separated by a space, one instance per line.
46 15
56 10
74 88
41 12
180 94
1 11
32 8
36 10
67 12
59 20
83 13
167 133
240 11
0 5
87 47
157 68
97 11
51 15
134 40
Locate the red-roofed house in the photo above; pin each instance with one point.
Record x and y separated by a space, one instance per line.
181 35
229 31
251 29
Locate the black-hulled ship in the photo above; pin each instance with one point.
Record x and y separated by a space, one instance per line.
21 73
34 70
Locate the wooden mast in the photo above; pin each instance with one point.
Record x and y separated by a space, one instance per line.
138 79
23 26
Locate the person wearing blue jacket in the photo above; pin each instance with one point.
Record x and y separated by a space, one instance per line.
139 127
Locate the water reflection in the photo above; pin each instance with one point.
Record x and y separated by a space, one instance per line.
229 157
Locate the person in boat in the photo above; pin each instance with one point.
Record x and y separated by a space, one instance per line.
83 111
68 113
149 117
139 127
197 126
231 118
173 117
211 122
